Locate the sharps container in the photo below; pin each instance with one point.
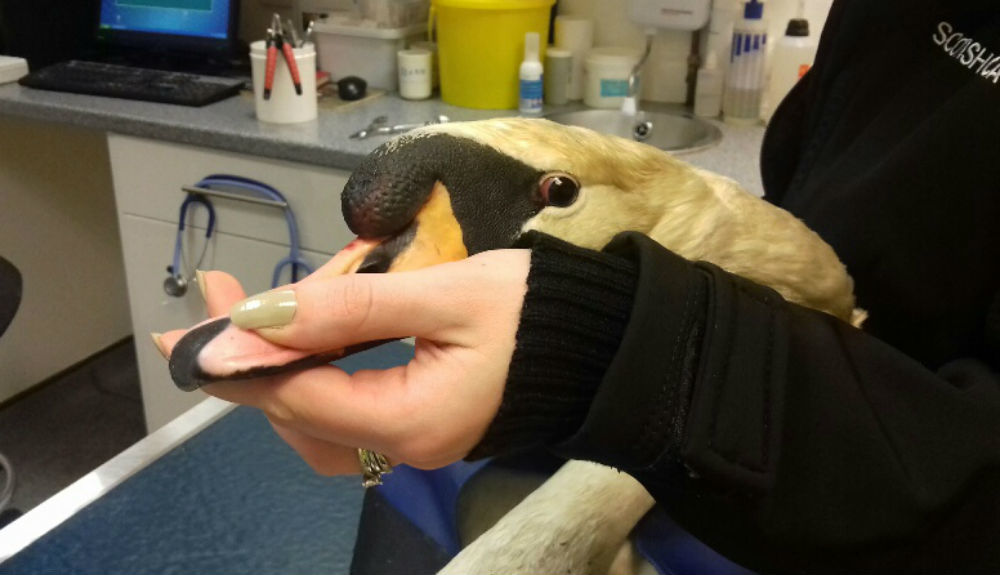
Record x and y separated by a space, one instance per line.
480 47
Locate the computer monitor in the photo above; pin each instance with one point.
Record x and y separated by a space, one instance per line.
181 27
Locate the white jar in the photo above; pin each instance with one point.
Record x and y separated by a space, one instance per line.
415 79
606 72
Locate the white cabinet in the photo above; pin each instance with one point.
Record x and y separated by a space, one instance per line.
249 239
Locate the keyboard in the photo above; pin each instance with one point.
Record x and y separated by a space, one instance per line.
113 80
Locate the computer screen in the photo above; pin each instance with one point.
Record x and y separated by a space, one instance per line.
204 18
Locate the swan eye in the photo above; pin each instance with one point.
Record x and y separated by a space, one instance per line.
559 190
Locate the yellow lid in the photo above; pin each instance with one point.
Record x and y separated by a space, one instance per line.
494 4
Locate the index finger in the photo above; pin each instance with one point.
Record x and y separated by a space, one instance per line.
435 302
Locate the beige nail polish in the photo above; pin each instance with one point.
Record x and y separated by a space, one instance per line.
199 278
268 309
158 342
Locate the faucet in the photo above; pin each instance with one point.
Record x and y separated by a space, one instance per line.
630 105
641 128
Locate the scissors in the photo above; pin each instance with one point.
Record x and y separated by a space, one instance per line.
275 43
380 127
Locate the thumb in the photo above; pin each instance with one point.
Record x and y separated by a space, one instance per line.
435 303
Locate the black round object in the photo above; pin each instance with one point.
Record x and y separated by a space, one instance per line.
351 88
797 27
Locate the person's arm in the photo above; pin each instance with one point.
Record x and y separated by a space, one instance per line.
781 436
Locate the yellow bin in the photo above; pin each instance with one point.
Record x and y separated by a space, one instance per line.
481 46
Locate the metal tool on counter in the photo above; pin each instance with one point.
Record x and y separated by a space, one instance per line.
275 43
380 127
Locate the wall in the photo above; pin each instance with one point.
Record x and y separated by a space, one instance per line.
58 226
664 79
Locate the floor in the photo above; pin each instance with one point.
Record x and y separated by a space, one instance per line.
68 426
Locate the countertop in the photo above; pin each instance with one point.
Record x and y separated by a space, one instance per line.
231 125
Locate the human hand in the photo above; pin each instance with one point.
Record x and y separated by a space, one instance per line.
428 413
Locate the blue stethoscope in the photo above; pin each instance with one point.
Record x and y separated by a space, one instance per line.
237 188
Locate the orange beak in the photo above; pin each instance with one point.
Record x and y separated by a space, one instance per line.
437 238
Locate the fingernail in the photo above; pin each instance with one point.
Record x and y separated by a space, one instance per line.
268 309
199 278
158 342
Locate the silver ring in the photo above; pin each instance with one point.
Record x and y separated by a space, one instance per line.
373 466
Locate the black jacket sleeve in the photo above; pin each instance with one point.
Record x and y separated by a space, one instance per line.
781 436
807 442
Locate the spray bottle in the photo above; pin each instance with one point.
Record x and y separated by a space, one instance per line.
745 80
531 77
793 56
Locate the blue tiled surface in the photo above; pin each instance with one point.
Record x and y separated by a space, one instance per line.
233 499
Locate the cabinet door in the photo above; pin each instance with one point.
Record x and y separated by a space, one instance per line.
148 249
148 177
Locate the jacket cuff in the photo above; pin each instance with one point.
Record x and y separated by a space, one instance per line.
638 416
575 311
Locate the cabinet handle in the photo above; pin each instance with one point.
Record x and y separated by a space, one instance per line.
234 196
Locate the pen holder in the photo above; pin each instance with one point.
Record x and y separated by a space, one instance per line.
284 106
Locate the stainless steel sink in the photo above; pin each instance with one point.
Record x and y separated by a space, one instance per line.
673 132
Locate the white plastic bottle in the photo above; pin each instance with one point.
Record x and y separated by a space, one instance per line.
708 88
793 56
531 77
747 64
